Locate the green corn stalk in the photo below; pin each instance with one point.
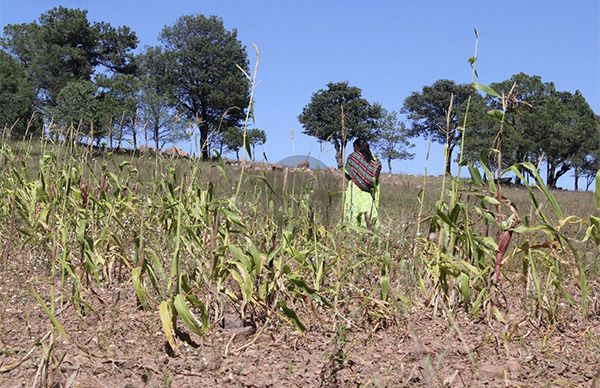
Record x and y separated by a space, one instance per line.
167 317
196 326
548 225
50 313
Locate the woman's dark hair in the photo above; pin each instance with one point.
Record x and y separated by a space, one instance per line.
363 147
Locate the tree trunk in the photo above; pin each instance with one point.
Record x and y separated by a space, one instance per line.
121 131
338 154
390 164
204 140
134 138
565 168
517 181
550 178
203 131
156 130
577 173
237 154
120 139
146 134
588 182
449 159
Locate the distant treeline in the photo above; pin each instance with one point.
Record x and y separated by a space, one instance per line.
65 73
84 77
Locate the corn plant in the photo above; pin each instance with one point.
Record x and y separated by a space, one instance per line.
471 233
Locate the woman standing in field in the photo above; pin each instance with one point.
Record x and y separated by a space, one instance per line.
361 207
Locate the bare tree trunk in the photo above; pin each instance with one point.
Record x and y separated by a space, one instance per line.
120 141
134 138
121 131
449 159
156 130
110 134
203 131
338 154
588 183
146 134
340 146
204 140
550 175
564 168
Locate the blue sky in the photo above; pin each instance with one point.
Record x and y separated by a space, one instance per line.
387 48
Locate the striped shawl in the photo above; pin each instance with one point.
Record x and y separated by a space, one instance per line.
362 172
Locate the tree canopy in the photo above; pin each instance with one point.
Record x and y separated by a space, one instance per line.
521 119
233 139
322 117
17 95
541 124
393 141
158 115
202 69
567 133
79 109
65 69
431 114
64 47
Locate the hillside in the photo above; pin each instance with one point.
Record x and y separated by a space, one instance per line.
149 271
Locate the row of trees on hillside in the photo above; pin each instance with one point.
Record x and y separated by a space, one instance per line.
339 114
87 76
64 71
542 124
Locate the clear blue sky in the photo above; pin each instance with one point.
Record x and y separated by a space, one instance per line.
387 48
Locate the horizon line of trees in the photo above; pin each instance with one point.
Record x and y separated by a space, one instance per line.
541 124
63 71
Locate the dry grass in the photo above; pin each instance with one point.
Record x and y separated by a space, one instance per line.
168 235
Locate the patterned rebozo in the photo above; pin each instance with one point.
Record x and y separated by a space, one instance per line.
362 172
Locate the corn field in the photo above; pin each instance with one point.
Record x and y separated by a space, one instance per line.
199 245
194 251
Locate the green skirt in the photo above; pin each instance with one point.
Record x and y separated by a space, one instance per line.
358 204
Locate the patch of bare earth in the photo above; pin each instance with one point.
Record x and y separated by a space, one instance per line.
118 345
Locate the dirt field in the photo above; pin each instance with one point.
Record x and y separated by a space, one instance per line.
121 346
